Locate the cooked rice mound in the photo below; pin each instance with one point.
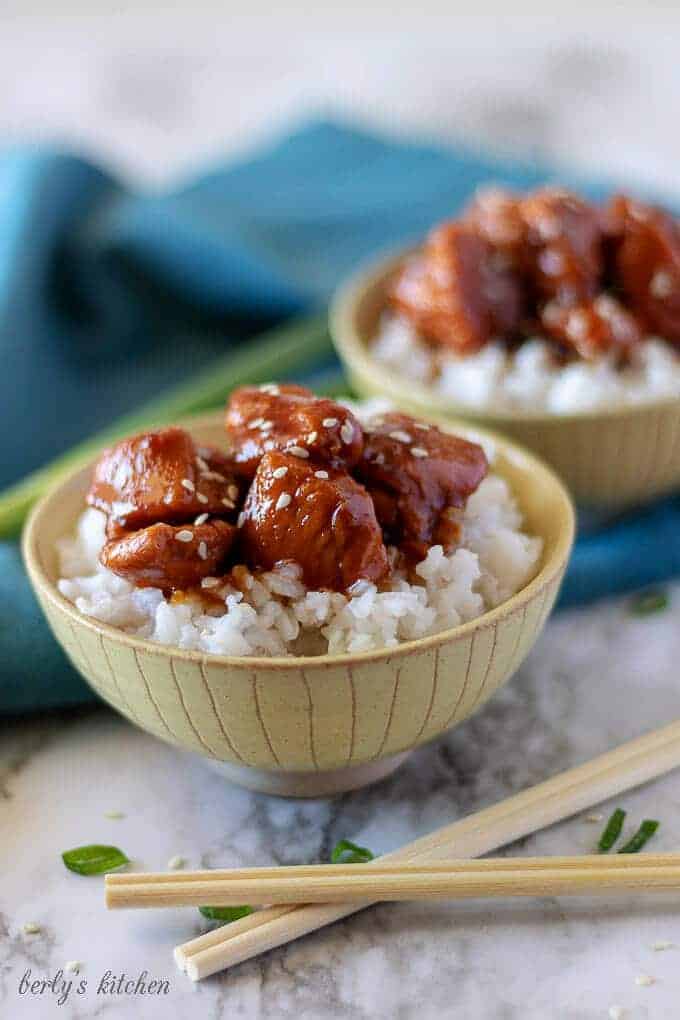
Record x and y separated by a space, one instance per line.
530 378
275 615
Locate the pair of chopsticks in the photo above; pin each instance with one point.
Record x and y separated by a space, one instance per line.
576 790
455 879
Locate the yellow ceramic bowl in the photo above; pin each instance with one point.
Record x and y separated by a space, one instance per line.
306 726
609 458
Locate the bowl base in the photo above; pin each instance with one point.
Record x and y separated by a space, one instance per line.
308 784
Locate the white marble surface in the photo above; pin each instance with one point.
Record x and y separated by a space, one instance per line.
154 92
597 677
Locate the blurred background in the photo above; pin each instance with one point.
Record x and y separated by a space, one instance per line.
154 90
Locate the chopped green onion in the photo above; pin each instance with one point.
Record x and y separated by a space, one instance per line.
644 833
346 852
94 859
612 831
652 601
225 914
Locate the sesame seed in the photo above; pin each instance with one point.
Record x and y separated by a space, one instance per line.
232 492
241 519
577 325
400 436
270 388
213 476
661 284
229 503
188 485
418 451
380 458
210 582
201 464
594 818
176 862
185 535
280 472
422 427
201 498
201 519
256 423
31 928
203 550
297 451
347 433
284 500
644 980
73 966
266 425
328 423
312 437
321 474
662 944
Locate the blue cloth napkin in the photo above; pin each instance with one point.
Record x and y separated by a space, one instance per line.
107 296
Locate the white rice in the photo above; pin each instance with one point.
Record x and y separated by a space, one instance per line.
496 379
279 616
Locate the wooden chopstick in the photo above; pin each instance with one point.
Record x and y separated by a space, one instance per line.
627 766
455 879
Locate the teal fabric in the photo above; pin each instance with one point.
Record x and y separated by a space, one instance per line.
107 296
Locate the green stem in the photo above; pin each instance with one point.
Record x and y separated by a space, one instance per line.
612 831
279 353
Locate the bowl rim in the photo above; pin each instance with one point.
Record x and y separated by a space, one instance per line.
353 351
552 568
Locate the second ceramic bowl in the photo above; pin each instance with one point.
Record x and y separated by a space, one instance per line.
610 459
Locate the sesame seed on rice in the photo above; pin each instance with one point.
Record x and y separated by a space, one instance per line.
229 503
280 472
232 492
201 519
185 535
418 451
266 425
210 582
284 500
312 437
241 519
400 436
202 464
328 423
270 388
201 497
188 485
321 474
203 550
297 451
256 423
213 476
421 426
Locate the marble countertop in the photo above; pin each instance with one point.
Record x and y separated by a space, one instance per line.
154 93
597 676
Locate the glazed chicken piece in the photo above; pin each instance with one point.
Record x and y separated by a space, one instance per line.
316 516
418 477
497 216
456 293
162 476
288 417
169 556
564 246
602 326
645 243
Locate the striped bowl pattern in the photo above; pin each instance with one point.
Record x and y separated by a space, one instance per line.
609 459
306 714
